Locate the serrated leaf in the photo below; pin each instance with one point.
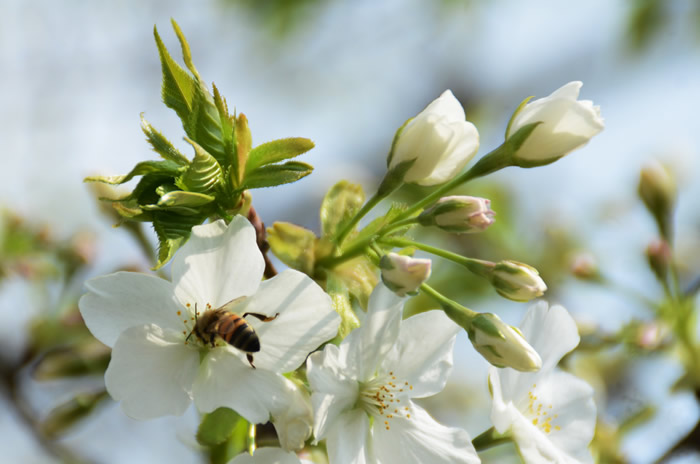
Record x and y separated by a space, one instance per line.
277 174
293 245
186 55
228 136
165 168
162 145
128 209
178 87
172 230
204 124
340 204
180 198
218 426
340 298
276 151
203 174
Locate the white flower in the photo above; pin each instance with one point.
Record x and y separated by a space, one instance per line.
550 413
295 421
404 274
459 214
269 456
374 374
156 371
566 124
440 141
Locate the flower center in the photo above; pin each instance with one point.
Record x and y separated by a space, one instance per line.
540 413
385 398
189 318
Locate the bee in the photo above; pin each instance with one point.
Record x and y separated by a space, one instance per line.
230 327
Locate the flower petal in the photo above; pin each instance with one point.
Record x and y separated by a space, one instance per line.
151 372
462 147
218 263
306 319
333 392
368 345
267 456
226 380
422 440
424 352
121 300
551 331
347 439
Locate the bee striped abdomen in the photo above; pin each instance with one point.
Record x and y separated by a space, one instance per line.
236 331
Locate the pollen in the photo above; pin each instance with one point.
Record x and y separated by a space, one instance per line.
179 313
540 418
382 398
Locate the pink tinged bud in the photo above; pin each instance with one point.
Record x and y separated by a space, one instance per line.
517 281
584 266
459 214
435 145
659 257
404 274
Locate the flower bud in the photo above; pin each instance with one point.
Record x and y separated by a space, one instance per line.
517 281
585 267
659 257
435 145
657 189
459 214
501 344
565 124
404 274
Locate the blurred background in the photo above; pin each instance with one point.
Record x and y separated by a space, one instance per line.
346 74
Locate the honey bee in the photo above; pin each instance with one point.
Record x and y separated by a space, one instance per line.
230 327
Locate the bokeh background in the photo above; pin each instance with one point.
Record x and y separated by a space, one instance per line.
76 75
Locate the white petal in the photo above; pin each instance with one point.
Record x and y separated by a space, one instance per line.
118 301
462 148
551 331
219 263
503 412
569 91
333 392
306 319
424 352
267 456
446 104
368 345
151 372
348 439
420 439
294 422
226 380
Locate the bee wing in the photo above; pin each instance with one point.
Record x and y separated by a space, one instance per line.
232 304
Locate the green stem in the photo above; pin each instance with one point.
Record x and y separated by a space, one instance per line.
366 208
477 266
356 249
459 314
489 439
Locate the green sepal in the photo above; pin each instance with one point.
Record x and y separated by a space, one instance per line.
166 167
340 298
395 140
515 113
64 416
162 145
172 230
203 174
340 204
220 425
276 151
293 245
483 323
277 174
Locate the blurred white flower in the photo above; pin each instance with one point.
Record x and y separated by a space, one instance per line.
155 371
294 422
550 413
566 124
269 456
440 141
362 389
459 214
404 274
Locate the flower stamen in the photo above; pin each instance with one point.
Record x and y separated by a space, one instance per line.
380 397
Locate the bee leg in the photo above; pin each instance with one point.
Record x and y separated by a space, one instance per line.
250 359
262 317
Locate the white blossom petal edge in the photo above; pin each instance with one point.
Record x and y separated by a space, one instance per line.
157 370
269 456
375 373
550 413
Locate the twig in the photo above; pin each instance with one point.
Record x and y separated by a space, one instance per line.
261 238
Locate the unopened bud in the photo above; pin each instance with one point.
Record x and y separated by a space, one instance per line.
459 214
517 281
502 345
584 267
657 189
404 274
659 257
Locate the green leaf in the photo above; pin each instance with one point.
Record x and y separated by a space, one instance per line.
276 151
394 211
218 426
340 298
203 174
167 168
172 230
204 124
161 145
178 86
180 198
340 204
228 135
277 174
186 55
360 277
293 245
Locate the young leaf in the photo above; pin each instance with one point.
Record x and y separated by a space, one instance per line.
161 145
293 245
277 174
341 203
340 299
228 135
167 168
276 151
180 198
217 426
178 86
172 230
186 55
359 276
204 124
203 174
